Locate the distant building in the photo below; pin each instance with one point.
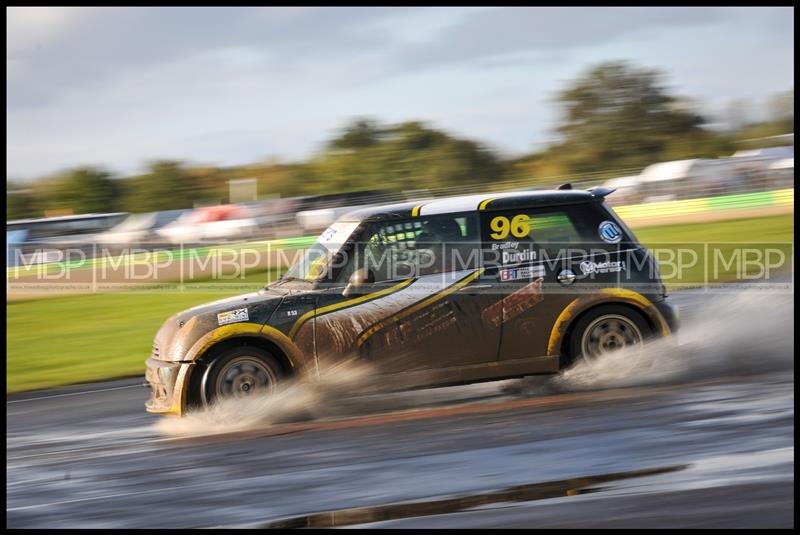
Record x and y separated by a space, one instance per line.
690 178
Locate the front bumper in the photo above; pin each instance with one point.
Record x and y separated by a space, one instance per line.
168 386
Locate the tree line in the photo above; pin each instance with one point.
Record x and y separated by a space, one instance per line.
614 116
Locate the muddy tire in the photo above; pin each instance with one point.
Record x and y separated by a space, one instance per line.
602 330
240 372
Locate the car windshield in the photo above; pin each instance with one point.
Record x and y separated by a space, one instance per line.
314 260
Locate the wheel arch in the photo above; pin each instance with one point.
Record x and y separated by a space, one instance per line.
256 334
579 307
203 361
239 334
247 340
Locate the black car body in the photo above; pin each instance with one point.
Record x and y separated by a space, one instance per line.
446 291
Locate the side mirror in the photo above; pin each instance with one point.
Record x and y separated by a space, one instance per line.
358 280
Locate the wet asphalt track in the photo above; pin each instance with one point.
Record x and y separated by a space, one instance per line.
87 457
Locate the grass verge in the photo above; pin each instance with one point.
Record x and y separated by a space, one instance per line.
66 340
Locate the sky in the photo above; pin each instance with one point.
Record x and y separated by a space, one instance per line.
118 87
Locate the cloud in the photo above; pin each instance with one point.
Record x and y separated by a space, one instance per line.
59 49
491 33
54 50
123 85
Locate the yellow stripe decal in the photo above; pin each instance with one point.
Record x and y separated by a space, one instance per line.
415 210
643 301
555 335
342 304
221 333
482 205
413 308
620 293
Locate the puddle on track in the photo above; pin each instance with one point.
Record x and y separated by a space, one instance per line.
518 493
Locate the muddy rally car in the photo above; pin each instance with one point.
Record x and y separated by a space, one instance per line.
447 291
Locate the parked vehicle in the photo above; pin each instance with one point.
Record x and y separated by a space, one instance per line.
211 224
138 228
42 240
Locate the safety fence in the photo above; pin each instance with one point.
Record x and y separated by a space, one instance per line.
636 213
676 210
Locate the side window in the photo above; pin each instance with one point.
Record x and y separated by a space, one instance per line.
529 235
420 246
389 250
552 231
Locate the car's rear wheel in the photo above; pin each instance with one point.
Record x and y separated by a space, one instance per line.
605 330
240 372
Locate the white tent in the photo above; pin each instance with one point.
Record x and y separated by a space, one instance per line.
699 176
770 153
623 182
786 163
697 168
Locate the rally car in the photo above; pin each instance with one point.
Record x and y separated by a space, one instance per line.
447 291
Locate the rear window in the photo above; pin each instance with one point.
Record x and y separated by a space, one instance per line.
528 234
553 228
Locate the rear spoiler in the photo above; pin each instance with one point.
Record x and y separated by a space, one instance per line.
597 191
601 191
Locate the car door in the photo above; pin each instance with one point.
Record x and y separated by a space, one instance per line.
423 310
533 248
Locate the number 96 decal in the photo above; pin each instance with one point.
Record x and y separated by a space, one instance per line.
502 227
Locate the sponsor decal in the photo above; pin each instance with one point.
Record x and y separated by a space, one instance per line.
527 272
590 268
514 304
515 257
232 316
328 234
416 328
610 232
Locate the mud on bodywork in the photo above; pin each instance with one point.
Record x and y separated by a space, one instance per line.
185 337
436 323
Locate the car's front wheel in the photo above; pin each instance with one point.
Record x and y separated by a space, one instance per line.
240 372
605 330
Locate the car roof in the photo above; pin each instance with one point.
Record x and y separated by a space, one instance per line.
480 202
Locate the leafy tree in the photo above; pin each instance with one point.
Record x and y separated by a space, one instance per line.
362 134
166 186
762 135
781 108
617 119
21 202
543 169
82 190
403 157
700 144
619 116
209 184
